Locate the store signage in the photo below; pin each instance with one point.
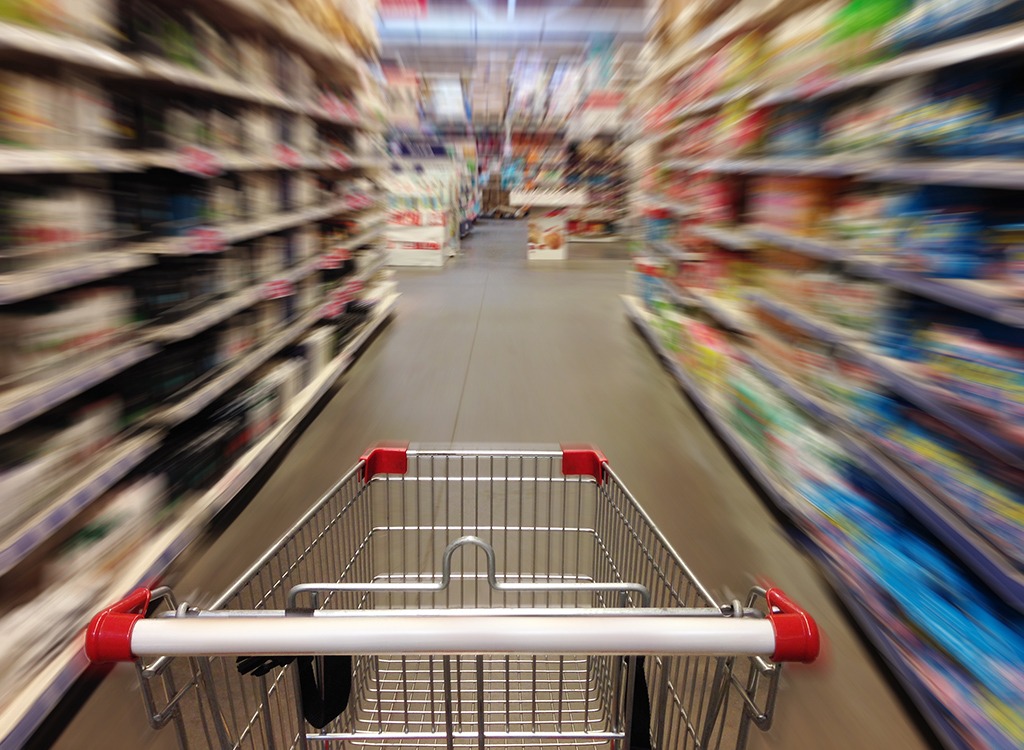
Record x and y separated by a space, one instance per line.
403 8
412 218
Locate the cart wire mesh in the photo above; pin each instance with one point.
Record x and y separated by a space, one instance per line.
553 540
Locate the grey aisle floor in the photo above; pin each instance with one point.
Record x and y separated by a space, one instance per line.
490 350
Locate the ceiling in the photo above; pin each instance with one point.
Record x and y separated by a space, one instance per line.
457 36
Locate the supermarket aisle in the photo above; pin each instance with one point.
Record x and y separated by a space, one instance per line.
490 350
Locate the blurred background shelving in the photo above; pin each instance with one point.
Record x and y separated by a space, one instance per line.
830 270
192 257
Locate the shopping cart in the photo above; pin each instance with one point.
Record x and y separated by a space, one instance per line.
459 598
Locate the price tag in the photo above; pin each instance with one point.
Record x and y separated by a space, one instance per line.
278 289
199 162
340 159
335 258
347 293
204 240
287 156
357 202
334 308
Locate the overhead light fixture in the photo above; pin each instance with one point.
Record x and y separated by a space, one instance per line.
511 9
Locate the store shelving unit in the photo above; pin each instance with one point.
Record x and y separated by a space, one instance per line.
295 296
41 695
748 320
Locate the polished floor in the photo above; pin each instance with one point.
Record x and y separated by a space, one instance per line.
491 350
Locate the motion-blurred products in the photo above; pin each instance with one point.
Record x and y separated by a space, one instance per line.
38 227
42 459
53 330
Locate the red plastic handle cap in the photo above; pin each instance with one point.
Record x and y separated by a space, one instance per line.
796 633
109 635
578 460
385 458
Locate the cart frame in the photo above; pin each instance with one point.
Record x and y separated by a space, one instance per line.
543 647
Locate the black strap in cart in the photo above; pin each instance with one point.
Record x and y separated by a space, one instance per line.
640 723
324 696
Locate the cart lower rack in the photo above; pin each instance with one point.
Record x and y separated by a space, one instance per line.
463 598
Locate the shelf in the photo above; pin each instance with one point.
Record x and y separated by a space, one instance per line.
20 404
990 299
899 378
668 250
971 548
207 317
987 299
678 296
16 161
215 238
197 160
99 58
1007 174
371 270
22 285
594 240
21 40
222 382
113 464
730 238
788 503
812 248
819 329
992 43
660 203
369 235
247 230
31 708
728 314
895 376
641 317
715 101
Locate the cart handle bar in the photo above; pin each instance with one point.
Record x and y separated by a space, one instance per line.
123 633
578 459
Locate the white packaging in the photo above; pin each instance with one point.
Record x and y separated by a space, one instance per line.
317 348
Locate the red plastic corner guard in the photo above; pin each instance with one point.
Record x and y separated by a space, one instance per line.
109 635
579 460
796 633
385 458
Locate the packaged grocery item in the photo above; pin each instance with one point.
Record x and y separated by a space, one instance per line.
962 362
932 21
796 204
35 111
49 454
856 29
870 219
125 515
954 117
47 332
1008 240
795 50
945 235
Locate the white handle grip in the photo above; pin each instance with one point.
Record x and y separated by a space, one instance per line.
452 635
122 633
